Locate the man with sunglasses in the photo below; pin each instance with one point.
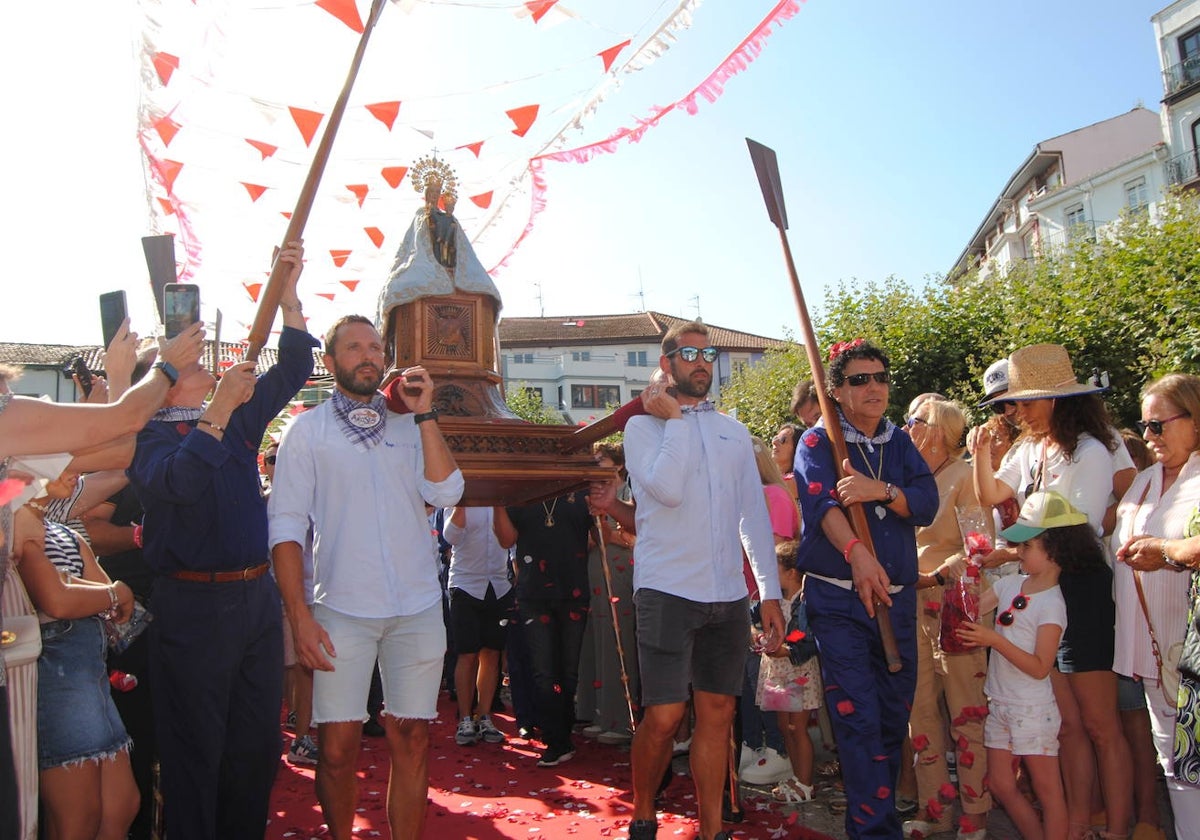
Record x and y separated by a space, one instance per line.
699 502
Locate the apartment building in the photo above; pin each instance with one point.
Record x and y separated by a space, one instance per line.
1177 32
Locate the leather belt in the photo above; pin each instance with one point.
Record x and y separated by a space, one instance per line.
221 577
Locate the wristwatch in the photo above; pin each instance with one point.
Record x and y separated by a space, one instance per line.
427 415
168 370
889 493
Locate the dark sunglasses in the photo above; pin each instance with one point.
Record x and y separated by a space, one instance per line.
857 380
1156 426
690 354
1020 602
1002 406
914 420
270 459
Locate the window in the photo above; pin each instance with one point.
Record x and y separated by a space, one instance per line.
636 358
1189 56
594 396
1077 223
581 355
522 358
1137 198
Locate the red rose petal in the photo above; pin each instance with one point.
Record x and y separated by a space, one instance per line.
920 742
962 742
883 792
811 440
794 636
845 707
10 488
947 791
966 758
814 488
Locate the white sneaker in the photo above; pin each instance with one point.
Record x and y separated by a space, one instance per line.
467 734
771 768
749 757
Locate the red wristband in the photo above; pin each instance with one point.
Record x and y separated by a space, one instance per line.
137 536
849 546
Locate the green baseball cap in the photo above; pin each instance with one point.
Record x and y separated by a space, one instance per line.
1043 509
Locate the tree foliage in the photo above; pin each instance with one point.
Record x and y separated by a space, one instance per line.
1126 304
526 403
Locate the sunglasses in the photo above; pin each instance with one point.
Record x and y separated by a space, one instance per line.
690 354
914 420
857 380
1002 406
1156 426
269 459
1020 602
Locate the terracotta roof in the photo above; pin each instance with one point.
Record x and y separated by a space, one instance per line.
638 327
60 355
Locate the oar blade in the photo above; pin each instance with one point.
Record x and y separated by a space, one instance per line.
766 166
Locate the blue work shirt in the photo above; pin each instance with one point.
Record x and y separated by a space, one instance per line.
204 509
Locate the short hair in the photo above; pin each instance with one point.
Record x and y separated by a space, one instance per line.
1075 548
610 449
861 350
950 418
785 553
10 373
804 393
670 341
1183 389
331 335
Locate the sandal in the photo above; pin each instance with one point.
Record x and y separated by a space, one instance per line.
792 791
829 769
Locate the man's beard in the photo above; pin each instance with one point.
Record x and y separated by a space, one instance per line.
348 379
689 388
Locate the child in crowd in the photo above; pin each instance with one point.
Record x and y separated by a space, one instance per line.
1023 718
789 682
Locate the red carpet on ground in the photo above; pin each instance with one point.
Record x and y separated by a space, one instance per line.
494 792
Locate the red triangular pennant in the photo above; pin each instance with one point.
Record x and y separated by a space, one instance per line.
168 170
350 284
483 200
255 190
538 8
165 64
610 55
345 11
376 236
253 289
394 175
167 128
474 147
264 149
339 258
326 295
385 112
167 206
360 192
523 118
307 122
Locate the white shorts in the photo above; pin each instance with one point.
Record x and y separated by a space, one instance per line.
410 650
1022 729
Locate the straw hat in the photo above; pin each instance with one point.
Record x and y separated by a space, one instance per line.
1042 372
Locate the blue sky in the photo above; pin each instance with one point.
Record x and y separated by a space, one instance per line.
896 125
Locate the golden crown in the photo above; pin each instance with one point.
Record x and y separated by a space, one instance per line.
431 172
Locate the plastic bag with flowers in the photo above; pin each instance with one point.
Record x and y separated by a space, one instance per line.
960 598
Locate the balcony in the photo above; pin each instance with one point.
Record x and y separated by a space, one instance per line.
1180 77
1183 169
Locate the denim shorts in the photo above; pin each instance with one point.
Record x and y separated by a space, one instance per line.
682 643
410 650
76 719
1131 694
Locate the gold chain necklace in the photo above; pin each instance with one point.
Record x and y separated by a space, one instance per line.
875 472
550 513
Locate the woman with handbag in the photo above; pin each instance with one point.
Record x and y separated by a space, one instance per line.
936 428
1151 591
87 786
1067 444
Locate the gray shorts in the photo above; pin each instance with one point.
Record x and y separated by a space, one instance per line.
682 643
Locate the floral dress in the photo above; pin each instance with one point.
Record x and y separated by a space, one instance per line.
1186 757
784 686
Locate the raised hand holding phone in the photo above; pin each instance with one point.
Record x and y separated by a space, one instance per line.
181 307
113 313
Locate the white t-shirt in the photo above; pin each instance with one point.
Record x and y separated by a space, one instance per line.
1085 480
1006 682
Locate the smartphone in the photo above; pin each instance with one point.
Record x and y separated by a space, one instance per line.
112 312
79 368
181 307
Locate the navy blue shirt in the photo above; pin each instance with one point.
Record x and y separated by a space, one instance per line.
896 461
204 510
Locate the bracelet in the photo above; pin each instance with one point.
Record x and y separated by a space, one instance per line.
215 426
428 415
1167 558
889 494
287 307
939 577
114 604
137 536
168 370
850 545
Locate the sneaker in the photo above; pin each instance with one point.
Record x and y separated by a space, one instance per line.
291 720
918 829
770 769
614 738
488 732
302 751
749 757
467 733
552 757
681 747
591 730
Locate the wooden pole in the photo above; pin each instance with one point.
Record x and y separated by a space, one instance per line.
767 169
616 625
268 301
